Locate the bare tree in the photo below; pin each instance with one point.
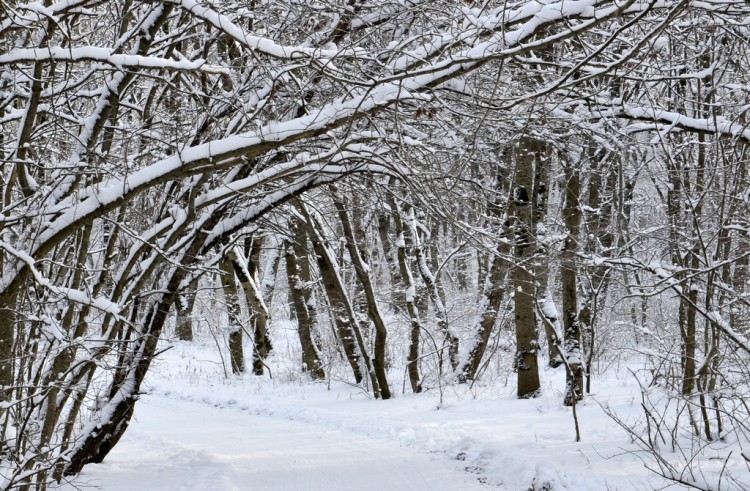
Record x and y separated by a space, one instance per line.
139 138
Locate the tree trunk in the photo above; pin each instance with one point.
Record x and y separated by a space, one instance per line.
258 311
258 301
431 286
300 284
390 251
362 270
407 280
184 307
522 210
569 279
232 299
540 267
489 306
341 308
7 338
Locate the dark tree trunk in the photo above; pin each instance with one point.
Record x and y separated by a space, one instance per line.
300 283
524 287
7 337
184 307
232 299
569 280
362 269
342 311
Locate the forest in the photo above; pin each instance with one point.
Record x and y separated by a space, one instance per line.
431 190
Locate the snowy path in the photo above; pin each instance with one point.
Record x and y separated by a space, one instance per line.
182 445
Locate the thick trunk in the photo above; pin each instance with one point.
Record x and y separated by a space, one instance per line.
569 281
300 284
526 333
232 300
524 287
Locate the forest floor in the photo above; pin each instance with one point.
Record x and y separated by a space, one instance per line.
197 429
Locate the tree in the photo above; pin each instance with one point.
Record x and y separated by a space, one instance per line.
299 276
140 138
523 225
232 303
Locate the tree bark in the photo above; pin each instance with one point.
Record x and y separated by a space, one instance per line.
300 283
569 279
232 299
415 326
342 311
184 307
390 251
362 269
7 338
259 316
522 211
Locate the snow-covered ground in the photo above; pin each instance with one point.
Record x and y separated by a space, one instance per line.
196 429
190 445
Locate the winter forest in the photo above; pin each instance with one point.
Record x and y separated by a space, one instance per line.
479 204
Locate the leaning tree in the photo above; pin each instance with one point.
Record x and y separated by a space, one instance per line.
142 139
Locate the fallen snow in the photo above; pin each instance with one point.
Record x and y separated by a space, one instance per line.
197 429
192 445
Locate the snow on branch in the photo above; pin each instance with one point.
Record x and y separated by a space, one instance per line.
96 200
105 55
718 125
259 44
667 276
72 294
23 15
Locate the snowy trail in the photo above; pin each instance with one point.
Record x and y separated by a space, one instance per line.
184 445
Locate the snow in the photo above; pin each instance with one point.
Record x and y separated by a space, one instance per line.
240 449
194 428
717 124
104 55
263 45
77 296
